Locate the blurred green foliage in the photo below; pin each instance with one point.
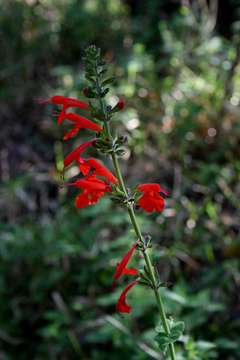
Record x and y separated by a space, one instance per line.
178 68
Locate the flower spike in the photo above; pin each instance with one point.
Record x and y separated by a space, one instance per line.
122 306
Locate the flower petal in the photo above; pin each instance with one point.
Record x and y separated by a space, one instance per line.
68 102
123 263
151 202
149 187
101 170
71 133
76 153
122 306
82 122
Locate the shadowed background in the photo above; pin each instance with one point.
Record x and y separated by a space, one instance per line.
177 67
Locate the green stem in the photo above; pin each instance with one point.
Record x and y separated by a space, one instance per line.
146 257
137 230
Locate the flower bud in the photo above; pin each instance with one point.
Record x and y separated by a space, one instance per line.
121 104
86 91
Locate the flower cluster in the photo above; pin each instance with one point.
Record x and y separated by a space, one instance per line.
96 180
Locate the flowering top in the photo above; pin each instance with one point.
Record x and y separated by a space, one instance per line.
151 200
95 180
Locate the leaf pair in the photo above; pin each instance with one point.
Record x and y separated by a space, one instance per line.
164 339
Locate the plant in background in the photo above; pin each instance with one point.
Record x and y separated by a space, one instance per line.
96 180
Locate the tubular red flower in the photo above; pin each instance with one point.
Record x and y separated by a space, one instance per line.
122 306
91 184
68 102
121 266
71 133
76 153
121 104
151 200
93 190
99 169
82 122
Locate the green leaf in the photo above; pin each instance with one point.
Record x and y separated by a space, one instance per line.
176 330
163 341
108 81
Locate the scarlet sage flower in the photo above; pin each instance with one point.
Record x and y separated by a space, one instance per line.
66 103
93 190
120 104
122 265
151 200
122 306
80 123
74 155
98 169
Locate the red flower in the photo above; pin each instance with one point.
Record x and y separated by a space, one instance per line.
121 104
93 190
66 103
80 123
151 200
121 266
74 155
99 169
122 305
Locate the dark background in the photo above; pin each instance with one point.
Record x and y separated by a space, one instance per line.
177 67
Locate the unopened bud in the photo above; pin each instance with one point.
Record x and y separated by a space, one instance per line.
121 104
86 91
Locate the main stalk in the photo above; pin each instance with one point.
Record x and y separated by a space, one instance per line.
137 230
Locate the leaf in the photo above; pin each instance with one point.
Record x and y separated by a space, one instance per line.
108 81
163 341
176 330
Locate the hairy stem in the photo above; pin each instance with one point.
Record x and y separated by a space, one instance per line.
137 230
